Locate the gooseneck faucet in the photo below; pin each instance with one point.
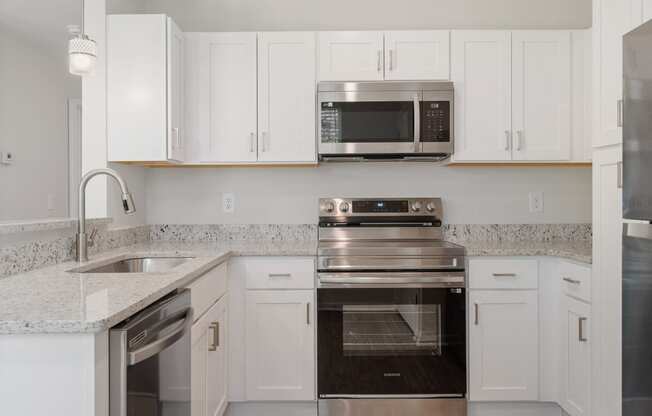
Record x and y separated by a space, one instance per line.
127 205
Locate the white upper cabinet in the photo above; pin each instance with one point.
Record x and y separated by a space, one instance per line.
541 88
417 55
351 56
280 333
144 89
226 101
481 72
611 20
503 345
286 96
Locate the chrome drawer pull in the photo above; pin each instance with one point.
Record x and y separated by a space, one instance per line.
504 275
571 281
279 275
477 314
308 313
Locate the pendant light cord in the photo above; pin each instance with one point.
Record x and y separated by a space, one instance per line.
83 6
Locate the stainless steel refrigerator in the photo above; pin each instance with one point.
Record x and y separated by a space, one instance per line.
637 237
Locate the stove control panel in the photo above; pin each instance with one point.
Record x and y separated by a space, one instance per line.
385 207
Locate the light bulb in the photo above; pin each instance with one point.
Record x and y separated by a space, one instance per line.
82 55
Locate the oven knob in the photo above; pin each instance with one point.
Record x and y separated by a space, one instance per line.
344 207
329 207
416 206
430 207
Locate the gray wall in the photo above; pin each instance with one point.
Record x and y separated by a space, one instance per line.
258 15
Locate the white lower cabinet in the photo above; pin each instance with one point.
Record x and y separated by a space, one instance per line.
280 350
209 362
576 357
503 345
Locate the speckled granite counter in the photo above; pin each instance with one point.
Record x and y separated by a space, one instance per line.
54 300
579 251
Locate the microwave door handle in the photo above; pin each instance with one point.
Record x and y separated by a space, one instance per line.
417 125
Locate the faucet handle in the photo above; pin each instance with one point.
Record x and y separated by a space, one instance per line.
91 238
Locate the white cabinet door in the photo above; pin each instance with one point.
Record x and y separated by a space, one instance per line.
576 365
541 88
216 359
209 362
503 345
198 352
647 10
351 56
137 108
481 72
227 97
175 92
612 19
606 282
280 347
417 55
286 96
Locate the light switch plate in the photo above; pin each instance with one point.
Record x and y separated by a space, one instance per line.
536 202
228 202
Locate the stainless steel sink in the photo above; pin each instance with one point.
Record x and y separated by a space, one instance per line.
138 265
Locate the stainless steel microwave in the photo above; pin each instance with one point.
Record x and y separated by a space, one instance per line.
385 120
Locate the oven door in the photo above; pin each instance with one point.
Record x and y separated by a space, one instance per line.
383 122
391 339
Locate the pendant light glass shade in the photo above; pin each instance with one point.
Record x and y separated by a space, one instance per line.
82 55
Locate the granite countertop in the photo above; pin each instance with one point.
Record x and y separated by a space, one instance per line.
580 251
55 300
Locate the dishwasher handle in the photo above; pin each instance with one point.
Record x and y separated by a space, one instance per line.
183 325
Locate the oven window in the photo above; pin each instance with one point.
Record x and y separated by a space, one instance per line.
380 330
391 341
367 122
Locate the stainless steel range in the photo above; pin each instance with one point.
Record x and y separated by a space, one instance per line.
391 310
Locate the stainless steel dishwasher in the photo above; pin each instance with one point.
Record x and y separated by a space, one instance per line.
150 360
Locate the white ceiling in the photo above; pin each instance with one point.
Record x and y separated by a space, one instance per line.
40 21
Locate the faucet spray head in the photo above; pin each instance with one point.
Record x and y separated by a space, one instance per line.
128 203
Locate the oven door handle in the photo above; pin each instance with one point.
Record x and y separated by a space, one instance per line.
453 280
182 327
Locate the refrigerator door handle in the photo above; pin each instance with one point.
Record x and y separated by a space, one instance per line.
638 230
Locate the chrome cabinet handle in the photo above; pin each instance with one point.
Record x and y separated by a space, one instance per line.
619 169
215 326
379 64
508 139
572 281
417 124
519 139
504 274
581 336
619 113
264 141
308 313
391 59
477 314
279 275
252 140
175 134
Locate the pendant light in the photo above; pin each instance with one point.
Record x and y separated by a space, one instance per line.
82 51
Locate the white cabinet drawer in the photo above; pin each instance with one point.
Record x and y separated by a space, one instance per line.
576 280
207 289
281 273
503 274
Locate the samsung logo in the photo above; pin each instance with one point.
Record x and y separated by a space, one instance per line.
391 374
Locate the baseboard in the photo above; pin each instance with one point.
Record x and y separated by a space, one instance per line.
514 409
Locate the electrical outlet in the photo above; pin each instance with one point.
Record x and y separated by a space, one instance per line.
536 201
228 202
6 158
51 202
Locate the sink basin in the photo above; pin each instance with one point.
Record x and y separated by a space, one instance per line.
139 265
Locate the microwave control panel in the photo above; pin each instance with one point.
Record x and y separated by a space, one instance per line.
435 121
